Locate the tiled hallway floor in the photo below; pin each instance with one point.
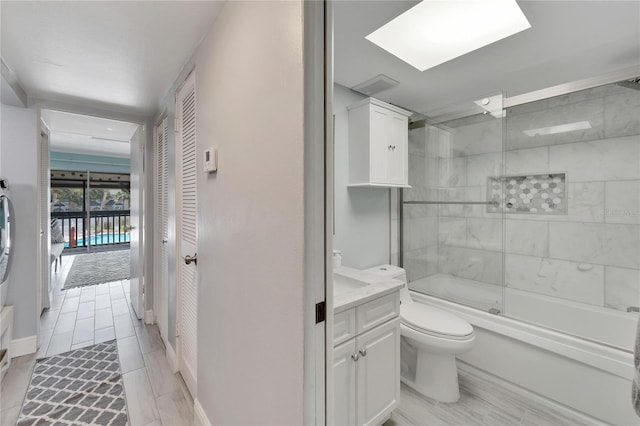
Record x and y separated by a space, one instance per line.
83 316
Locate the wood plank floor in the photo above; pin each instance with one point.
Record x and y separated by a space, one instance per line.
83 316
483 402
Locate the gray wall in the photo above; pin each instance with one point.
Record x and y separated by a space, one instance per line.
362 221
19 146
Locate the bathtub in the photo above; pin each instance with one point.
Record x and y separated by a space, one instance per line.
590 374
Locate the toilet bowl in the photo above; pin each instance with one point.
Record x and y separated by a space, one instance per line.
431 339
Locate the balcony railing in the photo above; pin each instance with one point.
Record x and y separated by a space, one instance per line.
102 227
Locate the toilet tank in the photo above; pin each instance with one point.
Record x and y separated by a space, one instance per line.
390 271
397 273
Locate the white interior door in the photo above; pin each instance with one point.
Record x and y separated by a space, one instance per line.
187 238
136 236
45 218
161 267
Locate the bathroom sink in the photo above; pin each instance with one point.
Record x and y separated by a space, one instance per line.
343 283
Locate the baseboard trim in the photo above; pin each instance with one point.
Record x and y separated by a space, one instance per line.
24 346
199 415
148 316
172 358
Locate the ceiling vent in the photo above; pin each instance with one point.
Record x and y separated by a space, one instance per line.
375 85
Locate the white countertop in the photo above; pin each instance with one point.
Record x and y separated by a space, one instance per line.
353 287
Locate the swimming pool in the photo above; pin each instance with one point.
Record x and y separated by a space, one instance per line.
101 239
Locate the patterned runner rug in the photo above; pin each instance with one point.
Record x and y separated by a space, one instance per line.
80 387
98 268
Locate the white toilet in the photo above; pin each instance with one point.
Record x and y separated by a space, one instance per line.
431 340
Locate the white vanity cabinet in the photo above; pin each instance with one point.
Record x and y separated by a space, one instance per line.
378 144
366 362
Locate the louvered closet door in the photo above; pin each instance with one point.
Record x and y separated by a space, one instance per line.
187 232
162 226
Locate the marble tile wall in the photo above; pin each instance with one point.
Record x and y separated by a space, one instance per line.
589 255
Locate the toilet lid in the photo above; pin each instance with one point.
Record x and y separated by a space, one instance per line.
434 321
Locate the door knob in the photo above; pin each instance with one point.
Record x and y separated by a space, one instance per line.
188 259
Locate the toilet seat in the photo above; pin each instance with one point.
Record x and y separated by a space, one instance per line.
435 322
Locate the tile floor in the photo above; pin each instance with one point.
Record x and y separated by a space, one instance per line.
86 315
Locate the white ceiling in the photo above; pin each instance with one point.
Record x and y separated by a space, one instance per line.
83 134
120 54
567 41
126 54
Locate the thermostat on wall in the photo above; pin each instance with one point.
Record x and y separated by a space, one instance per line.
211 159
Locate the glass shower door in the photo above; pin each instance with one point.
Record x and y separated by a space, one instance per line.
572 263
452 216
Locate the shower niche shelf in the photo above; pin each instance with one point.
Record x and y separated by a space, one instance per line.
528 194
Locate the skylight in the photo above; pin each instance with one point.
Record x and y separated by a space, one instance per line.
436 31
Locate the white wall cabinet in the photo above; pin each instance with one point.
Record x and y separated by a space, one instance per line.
366 367
378 144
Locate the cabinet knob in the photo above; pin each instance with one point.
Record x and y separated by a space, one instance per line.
363 352
390 147
355 357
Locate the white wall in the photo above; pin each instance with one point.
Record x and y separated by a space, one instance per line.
362 220
19 147
249 89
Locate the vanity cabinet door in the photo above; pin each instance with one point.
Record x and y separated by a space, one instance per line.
378 374
344 384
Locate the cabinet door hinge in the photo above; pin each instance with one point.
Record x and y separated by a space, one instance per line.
321 312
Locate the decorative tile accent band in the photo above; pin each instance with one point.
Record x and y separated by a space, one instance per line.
531 194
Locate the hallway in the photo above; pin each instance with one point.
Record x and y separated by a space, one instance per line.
84 316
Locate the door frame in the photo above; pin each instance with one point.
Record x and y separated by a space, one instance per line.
43 251
143 122
318 202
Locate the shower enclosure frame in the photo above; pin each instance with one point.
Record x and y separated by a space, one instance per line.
507 102
509 347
